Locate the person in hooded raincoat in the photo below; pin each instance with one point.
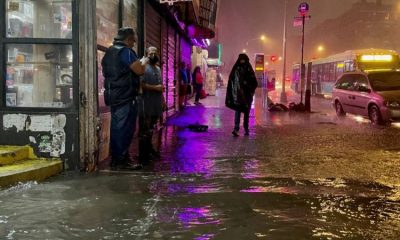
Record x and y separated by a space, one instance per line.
241 88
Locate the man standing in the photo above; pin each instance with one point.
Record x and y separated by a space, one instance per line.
121 70
183 85
151 108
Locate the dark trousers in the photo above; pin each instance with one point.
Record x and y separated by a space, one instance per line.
197 88
123 124
245 120
147 125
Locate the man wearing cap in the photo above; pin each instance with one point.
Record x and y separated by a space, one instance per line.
121 70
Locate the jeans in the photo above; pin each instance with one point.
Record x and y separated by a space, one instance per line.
147 125
245 120
198 88
123 125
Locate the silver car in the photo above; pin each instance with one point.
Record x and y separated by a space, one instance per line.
372 94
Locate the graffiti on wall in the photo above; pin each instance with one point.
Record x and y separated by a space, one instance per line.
46 132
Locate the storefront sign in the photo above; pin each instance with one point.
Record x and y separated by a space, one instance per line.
195 31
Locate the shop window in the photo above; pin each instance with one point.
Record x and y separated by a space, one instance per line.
100 82
39 19
107 21
39 75
130 15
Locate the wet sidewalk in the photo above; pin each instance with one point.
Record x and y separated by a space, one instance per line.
297 176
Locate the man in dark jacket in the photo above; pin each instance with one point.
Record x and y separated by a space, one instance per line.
241 88
121 70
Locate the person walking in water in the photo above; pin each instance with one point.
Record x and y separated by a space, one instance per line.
242 85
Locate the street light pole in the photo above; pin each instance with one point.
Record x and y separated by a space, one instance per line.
283 92
302 67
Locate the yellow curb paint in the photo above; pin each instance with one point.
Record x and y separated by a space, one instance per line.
29 170
12 154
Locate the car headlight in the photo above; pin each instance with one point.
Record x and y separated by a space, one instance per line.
393 104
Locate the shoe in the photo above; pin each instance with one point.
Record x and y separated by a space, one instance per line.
129 167
113 166
235 133
246 132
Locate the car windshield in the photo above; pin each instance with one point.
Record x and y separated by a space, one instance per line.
385 81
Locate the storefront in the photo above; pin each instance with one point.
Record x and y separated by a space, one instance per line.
52 85
156 28
39 84
110 16
174 47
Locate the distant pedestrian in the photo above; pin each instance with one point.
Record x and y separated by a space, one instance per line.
197 78
190 85
241 88
121 70
151 109
184 81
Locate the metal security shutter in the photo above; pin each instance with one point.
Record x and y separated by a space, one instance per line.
153 27
168 65
164 58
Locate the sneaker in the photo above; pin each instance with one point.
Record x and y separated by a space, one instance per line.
235 133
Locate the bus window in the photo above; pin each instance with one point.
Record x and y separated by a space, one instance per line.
331 72
326 72
339 69
349 66
314 72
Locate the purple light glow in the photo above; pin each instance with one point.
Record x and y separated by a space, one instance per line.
191 217
178 188
205 237
251 169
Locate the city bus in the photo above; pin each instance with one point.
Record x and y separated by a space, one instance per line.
325 71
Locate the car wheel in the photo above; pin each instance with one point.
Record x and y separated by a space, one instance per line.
339 109
375 115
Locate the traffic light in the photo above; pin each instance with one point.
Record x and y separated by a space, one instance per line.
273 58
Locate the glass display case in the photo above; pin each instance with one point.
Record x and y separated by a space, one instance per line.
39 19
39 75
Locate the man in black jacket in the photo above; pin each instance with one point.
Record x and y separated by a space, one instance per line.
121 70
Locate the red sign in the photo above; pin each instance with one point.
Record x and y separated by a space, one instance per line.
195 31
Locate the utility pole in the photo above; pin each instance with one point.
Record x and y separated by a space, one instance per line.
283 92
303 10
302 67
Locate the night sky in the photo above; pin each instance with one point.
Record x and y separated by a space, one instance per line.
241 20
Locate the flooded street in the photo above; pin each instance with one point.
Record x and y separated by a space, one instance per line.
297 176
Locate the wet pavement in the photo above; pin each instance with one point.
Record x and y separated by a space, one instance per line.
297 176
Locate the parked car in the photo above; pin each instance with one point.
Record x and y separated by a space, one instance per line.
374 94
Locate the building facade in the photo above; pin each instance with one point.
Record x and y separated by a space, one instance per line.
51 83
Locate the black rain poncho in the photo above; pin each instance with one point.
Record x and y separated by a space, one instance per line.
241 85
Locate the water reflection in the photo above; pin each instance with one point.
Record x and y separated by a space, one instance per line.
190 217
